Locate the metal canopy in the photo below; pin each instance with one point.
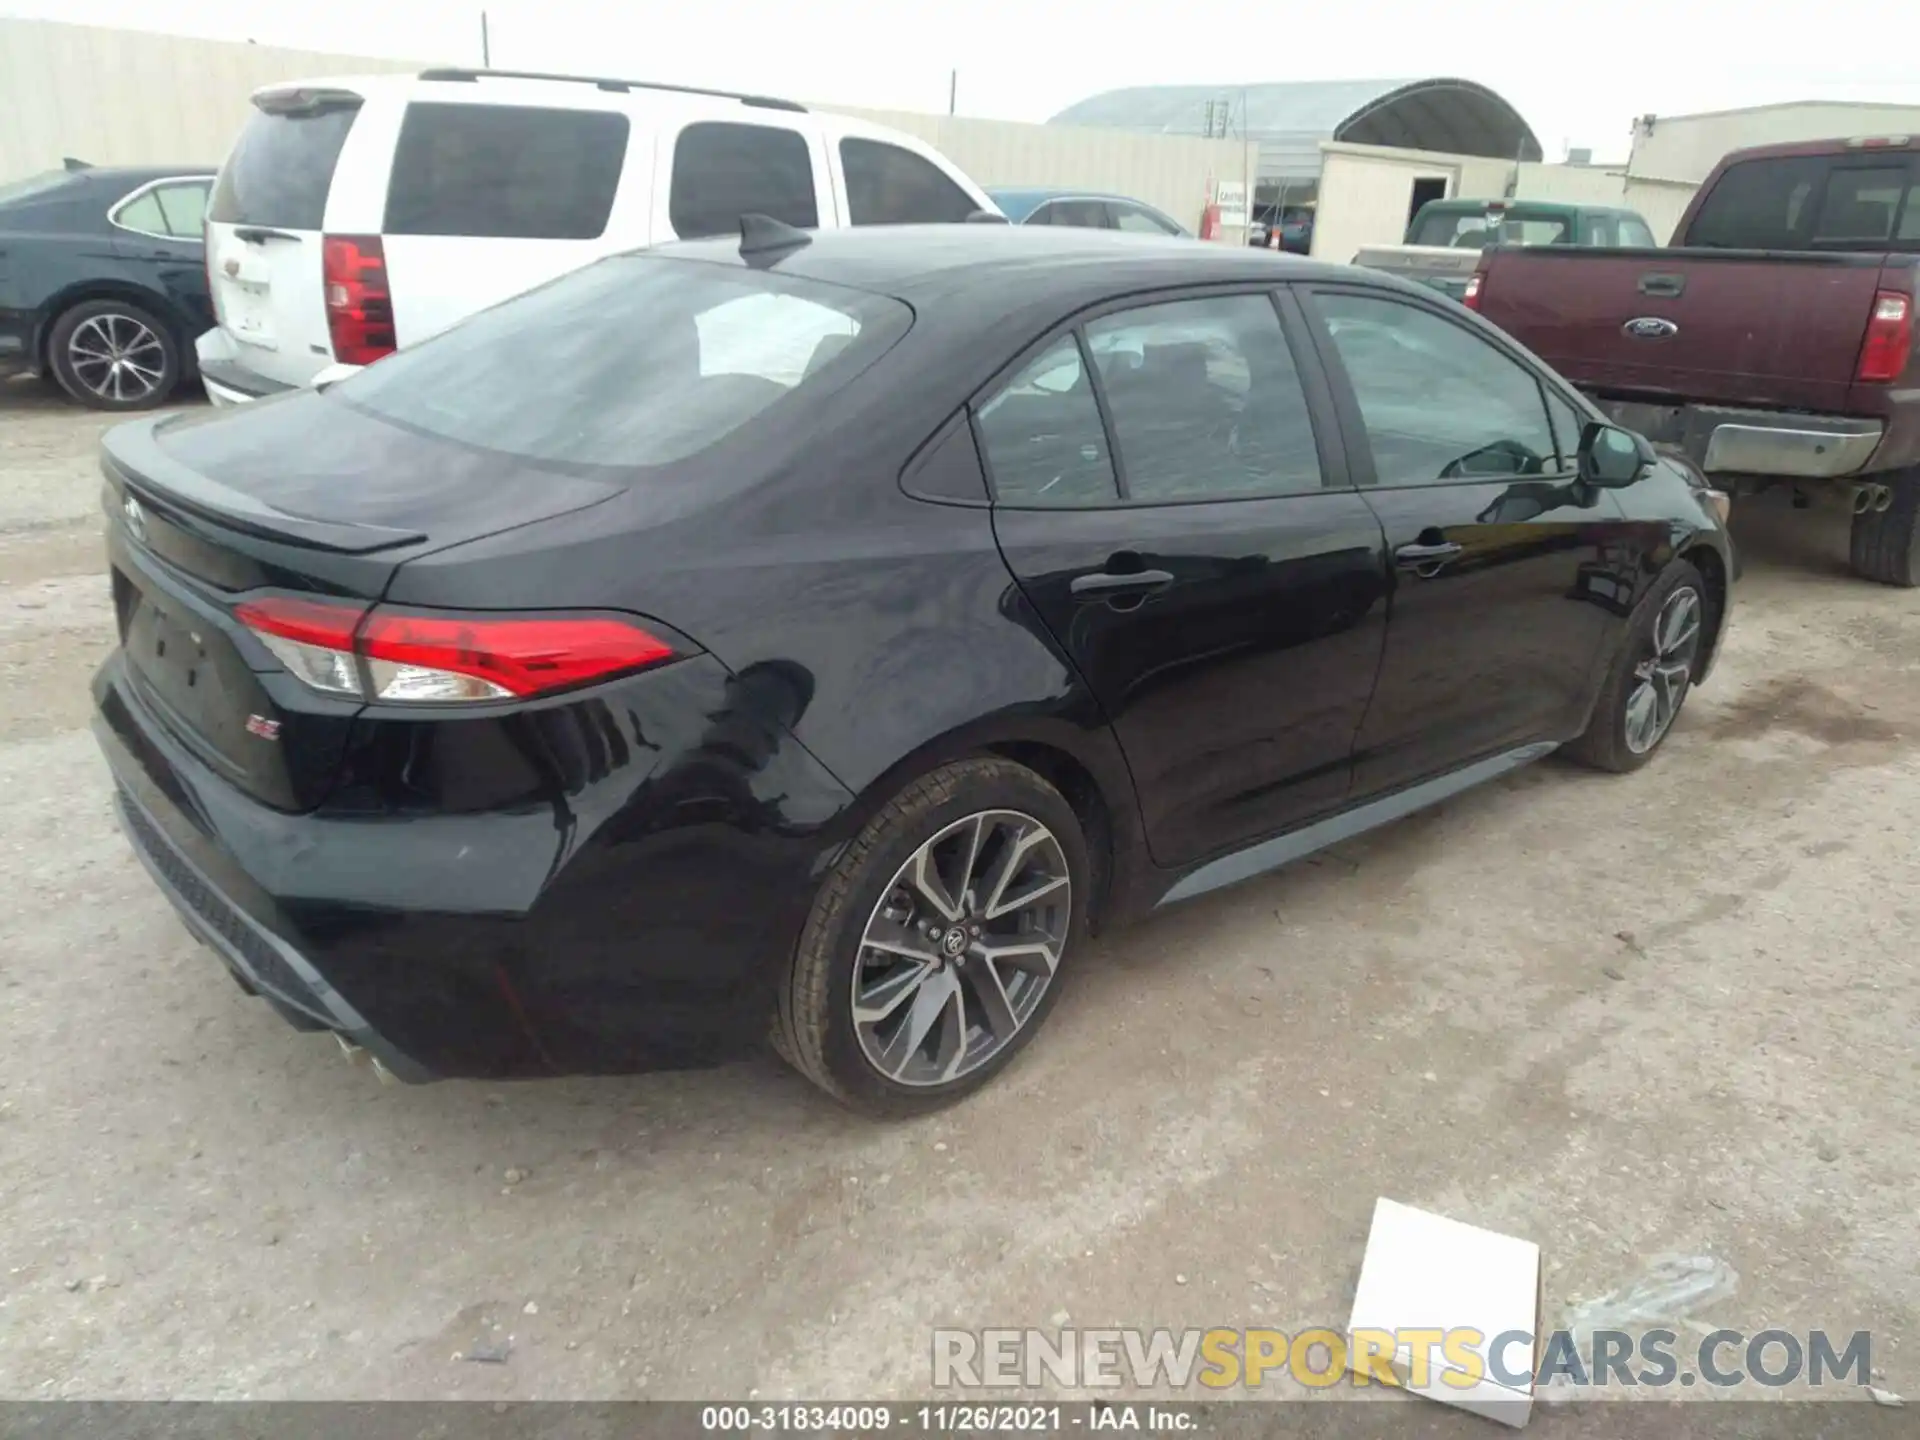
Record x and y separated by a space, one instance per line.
1288 121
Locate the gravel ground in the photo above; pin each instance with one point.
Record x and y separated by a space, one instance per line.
1667 1014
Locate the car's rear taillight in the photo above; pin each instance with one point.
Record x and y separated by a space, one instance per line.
1883 354
359 302
1471 297
402 657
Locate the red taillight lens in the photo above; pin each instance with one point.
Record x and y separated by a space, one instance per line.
1471 299
359 304
410 655
402 658
1883 355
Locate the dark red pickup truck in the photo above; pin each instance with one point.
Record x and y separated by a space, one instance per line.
1772 343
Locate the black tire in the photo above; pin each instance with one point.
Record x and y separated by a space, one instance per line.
1605 744
93 384
1886 544
815 1027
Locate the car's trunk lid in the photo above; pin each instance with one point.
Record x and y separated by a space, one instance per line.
301 495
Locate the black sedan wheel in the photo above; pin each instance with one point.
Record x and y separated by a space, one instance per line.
112 355
935 947
1652 675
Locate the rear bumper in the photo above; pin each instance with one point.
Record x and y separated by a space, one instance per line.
619 927
227 379
1724 440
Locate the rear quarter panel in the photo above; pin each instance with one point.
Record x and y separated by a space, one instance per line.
893 623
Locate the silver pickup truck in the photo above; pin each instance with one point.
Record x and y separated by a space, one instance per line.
1446 237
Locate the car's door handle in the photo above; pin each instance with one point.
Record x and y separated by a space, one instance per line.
1103 582
1664 286
1419 557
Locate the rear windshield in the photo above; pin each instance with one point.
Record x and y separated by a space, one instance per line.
1811 202
281 167
34 185
1479 229
634 361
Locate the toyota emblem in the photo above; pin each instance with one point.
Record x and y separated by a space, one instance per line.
232 267
136 518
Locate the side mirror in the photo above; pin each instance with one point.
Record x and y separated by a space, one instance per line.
1612 458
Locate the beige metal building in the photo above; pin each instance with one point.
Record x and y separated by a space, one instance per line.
1687 147
193 99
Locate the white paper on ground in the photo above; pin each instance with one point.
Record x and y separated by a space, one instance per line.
1425 1272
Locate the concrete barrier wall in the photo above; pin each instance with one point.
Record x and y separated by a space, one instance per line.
127 97
1168 172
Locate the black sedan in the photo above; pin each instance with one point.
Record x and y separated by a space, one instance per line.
103 280
832 629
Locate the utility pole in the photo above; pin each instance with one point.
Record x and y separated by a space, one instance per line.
1246 171
953 89
486 50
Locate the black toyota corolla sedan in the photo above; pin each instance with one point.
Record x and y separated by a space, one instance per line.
818 635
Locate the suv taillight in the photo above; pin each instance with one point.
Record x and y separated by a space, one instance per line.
359 304
1883 355
1471 297
399 657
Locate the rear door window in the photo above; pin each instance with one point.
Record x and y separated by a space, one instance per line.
887 185
508 171
281 167
175 211
1141 222
1634 234
723 170
1205 400
1085 214
642 361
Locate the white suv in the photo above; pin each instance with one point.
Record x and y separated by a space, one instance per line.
360 214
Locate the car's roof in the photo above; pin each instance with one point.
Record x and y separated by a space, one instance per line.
1028 197
1005 267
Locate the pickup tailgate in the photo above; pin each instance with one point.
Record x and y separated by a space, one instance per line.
1767 329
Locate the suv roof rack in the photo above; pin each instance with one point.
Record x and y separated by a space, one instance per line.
765 102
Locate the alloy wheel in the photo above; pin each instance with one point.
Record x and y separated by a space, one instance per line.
961 948
117 357
1661 678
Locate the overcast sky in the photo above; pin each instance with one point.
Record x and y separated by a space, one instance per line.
1578 73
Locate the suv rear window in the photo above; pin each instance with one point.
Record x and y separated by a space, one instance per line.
641 361
281 167
722 170
505 170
